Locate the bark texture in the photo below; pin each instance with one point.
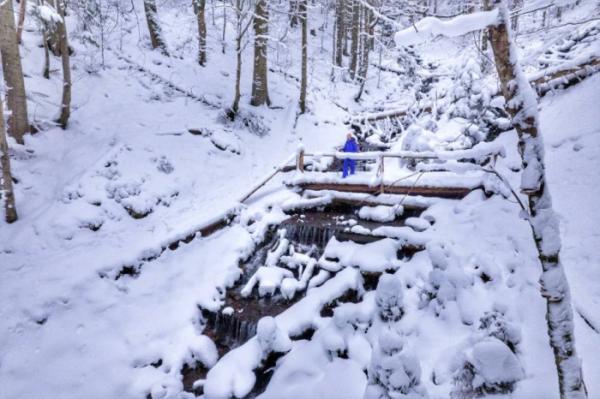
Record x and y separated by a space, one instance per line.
154 27
7 195
22 11
302 11
340 31
65 108
200 6
260 90
518 93
354 49
239 34
294 10
18 122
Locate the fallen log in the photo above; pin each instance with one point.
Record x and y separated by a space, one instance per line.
565 77
425 191
166 82
396 113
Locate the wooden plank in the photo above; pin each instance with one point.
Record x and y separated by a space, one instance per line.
425 191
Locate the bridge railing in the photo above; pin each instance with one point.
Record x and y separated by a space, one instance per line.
479 153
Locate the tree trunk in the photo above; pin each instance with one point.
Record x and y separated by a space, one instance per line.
238 53
153 26
365 44
224 33
522 106
22 11
340 31
260 90
484 51
18 123
7 194
200 6
65 110
46 69
304 76
294 12
355 38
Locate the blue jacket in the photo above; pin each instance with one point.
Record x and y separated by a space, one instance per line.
350 146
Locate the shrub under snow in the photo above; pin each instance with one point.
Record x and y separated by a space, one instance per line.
488 367
393 373
388 298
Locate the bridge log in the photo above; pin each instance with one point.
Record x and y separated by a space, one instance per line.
425 191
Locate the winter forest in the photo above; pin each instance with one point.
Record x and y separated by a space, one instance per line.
290 199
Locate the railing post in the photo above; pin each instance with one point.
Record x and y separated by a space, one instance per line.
300 160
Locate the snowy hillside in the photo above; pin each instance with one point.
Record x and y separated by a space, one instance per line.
148 259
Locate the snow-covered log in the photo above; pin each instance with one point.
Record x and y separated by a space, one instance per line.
565 75
430 27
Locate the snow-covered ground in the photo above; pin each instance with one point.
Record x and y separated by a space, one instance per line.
127 178
571 127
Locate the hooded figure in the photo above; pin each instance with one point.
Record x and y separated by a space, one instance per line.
350 146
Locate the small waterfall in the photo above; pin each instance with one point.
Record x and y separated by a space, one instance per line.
310 234
228 329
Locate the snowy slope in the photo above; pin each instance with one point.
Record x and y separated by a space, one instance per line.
127 177
571 127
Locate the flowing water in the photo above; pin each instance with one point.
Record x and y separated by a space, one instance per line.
308 233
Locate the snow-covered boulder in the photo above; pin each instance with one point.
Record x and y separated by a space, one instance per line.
271 338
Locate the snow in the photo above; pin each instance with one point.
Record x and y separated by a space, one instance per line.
380 213
233 375
572 162
377 256
149 160
270 337
430 27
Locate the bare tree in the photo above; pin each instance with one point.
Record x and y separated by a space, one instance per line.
302 11
200 6
65 107
244 19
10 210
260 89
522 106
224 32
294 10
45 28
156 37
356 8
366 44
18 123
22 11
340 31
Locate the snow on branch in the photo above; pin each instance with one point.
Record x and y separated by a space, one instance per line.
431 27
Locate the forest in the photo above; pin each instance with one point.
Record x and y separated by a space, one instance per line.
289 199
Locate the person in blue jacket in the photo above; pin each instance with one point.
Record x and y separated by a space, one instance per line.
350 146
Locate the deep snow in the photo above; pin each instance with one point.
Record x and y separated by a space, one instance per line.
68 329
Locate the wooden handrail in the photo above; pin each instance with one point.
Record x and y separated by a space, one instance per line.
271 175
372 155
